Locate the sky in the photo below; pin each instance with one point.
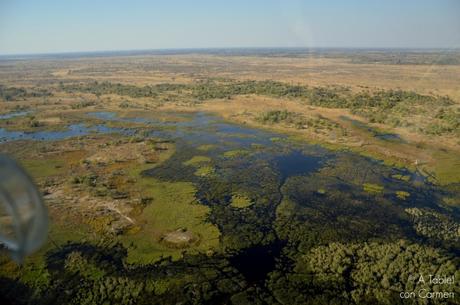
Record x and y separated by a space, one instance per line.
54 26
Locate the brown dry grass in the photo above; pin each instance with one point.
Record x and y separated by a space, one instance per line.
314 71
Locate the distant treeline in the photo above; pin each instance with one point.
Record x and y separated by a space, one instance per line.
203 90
15 94
392 107
331 97
100 88
407 58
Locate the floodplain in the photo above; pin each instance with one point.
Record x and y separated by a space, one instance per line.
237 177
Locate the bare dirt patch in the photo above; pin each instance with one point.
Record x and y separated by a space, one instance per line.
180 238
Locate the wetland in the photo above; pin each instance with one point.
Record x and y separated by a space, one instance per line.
218 191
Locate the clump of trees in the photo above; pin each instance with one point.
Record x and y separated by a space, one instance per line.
10 94
295 119
82 104
277 116
213 90
84 273
363 273
396 107
434 225
316 95
100 88
33 122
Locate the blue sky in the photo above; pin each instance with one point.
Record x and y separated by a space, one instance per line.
48 26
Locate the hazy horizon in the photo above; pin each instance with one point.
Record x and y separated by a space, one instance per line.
54 27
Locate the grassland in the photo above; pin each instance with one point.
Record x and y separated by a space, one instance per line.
81 182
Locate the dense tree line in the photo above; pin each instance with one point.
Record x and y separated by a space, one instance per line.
432 224
100 88
365 273
337 273
295 119
9 94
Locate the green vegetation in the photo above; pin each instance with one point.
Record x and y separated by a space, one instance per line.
99 274
219 226
445 169
201 163
400 109
434 225
207 147
402 195
213 90
295 119
236 153
372 188
197 160
401 177
100 88
10 94
83 104
173 207
321 191
277 116
204 171
363 273
42 168
241 201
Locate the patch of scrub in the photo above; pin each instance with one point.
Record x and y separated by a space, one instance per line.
207 147
435 225
236 153
451 201
205 171
321 191
240 201
372 188
401 177
173 207
257 146
197 160
402 195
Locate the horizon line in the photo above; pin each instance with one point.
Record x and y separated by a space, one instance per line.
241 48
